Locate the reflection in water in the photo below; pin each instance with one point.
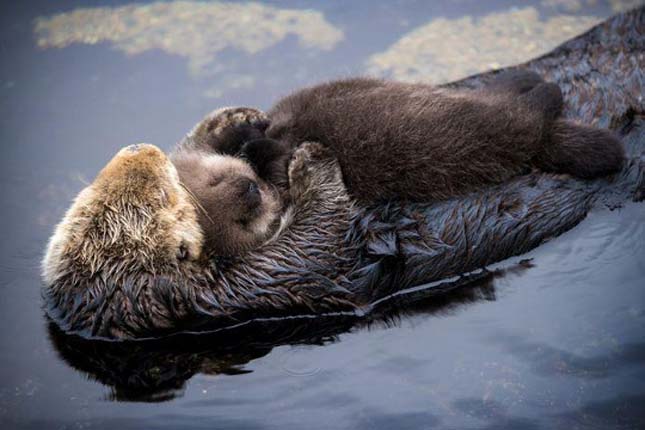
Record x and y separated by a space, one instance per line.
547 360
619 412
199 31
447 49
157 370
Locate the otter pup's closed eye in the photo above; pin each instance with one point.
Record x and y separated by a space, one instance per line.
237 209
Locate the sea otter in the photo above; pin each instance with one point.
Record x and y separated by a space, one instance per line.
128 259
393 141
132 241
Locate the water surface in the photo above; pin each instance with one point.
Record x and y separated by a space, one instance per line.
557 343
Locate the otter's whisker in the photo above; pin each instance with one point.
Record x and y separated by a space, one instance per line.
196 202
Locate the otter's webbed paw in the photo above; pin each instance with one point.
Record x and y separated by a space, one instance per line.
226 130
315 173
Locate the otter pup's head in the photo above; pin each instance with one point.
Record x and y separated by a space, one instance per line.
237 210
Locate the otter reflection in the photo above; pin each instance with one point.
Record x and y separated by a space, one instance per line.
157 370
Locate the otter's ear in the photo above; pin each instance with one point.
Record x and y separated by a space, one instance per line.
265 155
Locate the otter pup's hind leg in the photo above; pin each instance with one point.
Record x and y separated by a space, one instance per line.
515 81
582 151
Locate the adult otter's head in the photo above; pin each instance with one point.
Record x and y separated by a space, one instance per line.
129 238
237 209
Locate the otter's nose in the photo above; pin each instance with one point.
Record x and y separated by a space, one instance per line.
252 194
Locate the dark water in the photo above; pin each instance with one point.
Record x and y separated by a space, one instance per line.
559 344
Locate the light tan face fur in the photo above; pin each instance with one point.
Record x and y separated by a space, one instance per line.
135 211
236 209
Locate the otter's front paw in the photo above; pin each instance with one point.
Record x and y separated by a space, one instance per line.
225 130
303 162
313 169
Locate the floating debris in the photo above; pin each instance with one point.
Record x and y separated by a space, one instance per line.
624 5
196 30
447 49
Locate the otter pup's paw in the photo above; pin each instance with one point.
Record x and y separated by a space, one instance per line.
313 170
232 117
226 130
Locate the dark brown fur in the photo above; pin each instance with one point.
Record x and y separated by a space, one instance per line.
417 142
393 140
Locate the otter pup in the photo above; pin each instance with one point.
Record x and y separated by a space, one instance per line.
237 196
405 141
236 208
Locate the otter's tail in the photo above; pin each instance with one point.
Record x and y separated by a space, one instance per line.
582 151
